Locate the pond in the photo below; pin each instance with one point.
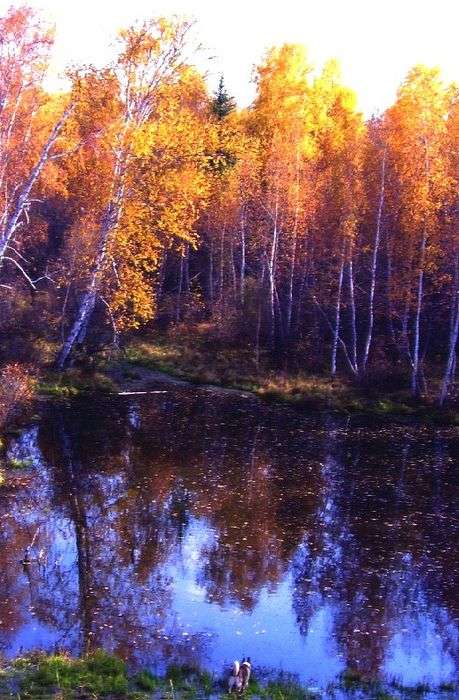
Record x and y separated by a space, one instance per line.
198 526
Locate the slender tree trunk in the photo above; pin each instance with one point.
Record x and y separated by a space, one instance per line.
271 273
186 270
161 277
258 331
374 265
288 322
293 253
233 273
86 307
5 134
222 264
179 289
405 340
242 270
305 272
211 272
299 304
453 336
13 220
353 314
415 387
337 313
278 308
390 310
415 384
221 291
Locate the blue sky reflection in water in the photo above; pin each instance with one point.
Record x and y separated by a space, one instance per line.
199 527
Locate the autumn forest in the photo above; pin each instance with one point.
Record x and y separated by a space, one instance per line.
139 201
228 371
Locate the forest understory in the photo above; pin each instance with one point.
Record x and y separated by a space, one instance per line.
197 355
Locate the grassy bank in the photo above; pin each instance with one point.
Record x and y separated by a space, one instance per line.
193 354
196 358
99 675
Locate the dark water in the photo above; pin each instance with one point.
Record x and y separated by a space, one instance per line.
197 527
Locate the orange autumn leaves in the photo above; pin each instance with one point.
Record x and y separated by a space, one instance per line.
299 220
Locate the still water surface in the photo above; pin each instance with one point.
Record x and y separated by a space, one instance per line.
196 526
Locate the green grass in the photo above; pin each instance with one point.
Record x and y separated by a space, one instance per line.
284 690
147 681
73 383
101 675
97 673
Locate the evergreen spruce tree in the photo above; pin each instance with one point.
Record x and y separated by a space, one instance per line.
222 104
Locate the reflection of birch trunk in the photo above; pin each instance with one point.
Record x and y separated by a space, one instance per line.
253 457
82 542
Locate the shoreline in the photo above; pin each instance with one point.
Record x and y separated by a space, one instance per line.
102 675
138 367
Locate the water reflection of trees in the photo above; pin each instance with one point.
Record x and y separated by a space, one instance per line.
383 491
342 509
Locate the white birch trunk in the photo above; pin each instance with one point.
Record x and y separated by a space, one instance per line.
374 265
337 314
353 315
14 219
417 319
243 263
293 255
453 337
87 303
271 269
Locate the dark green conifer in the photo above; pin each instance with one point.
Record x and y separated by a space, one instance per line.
222 104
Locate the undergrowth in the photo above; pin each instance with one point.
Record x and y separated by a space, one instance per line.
196 359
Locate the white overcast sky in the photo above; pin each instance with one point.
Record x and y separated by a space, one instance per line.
376 41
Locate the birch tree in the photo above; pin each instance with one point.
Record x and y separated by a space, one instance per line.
151 58
417 144
30 127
